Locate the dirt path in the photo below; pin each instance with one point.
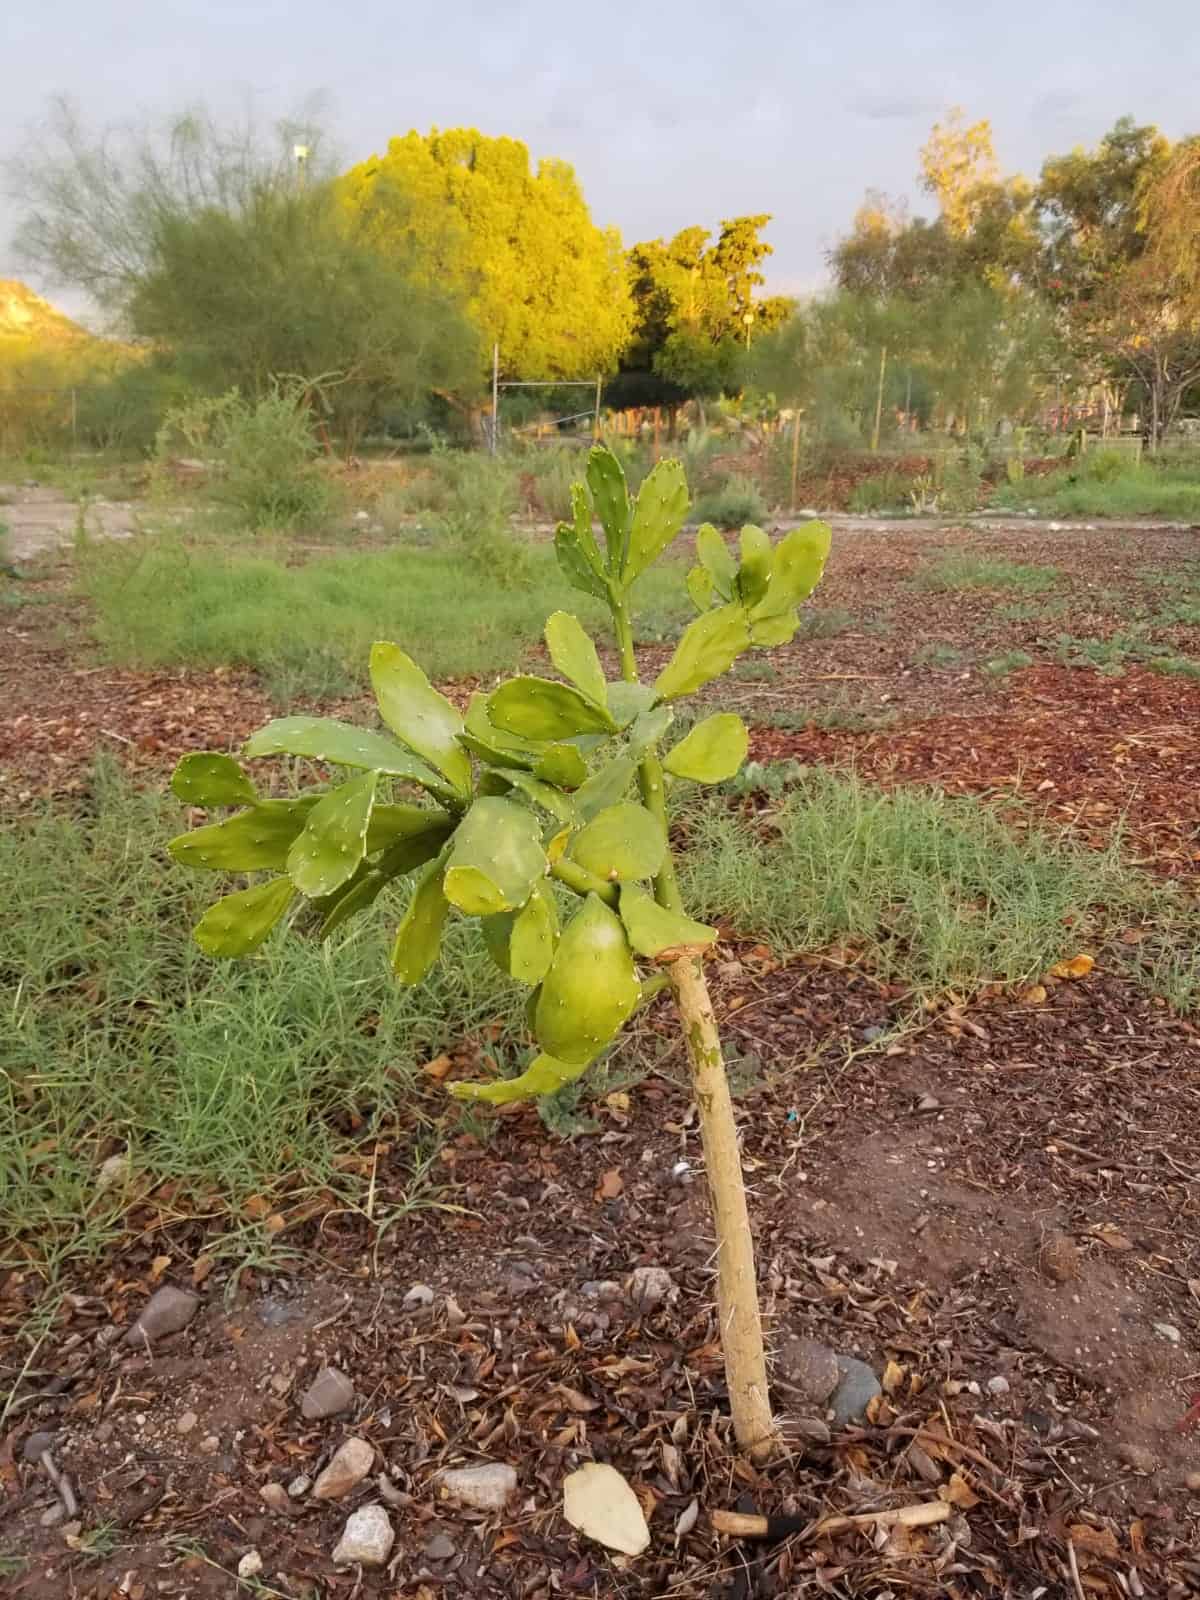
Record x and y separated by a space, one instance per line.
40 519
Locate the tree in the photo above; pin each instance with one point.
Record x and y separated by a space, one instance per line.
534 824
540 279
696 307
209 243
288 284
957 162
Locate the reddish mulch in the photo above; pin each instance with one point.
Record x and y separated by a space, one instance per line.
1092 752
904 1197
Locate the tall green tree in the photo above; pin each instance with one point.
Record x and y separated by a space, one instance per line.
539 277
697 307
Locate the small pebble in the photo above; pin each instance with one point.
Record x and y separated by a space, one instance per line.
998 1385
329 1393
1193 1482
210 1445
275 1496
419 1295
300 1485
485 1488
440 1548
351 1463
36 1446
1137 1457
649 1288
250 1565
367 1538
1168 1331
186 1422
167 1311
52 1516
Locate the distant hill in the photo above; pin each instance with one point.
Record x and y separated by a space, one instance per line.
27 319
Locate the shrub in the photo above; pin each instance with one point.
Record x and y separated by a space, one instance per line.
480 506
883 491
264 451
735 503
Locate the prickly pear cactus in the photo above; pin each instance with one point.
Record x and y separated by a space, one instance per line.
544 789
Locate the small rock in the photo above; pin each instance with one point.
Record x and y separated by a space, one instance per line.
367 1538
210 1445
36 1446
419 1295
998 1385
1137 1457
1193 1482
810 1367
167 1311
300 1485
53 1515
280 1382
856 1388
1169 1331
112 1172
649 1288
186 1422
486 1488
362 516
928 1103
601 1289
1060 1258
390 1493
330 1392
250 1565
810 1430
275 1496
874 1032
455 1315
923 1464
440 1548
351 1463
731 971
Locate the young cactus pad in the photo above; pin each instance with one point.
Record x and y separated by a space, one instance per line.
547 788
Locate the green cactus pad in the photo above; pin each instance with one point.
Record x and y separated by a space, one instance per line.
418 715
545 795
796 567
754 573
363 889
649 728
770 631
208 779
561 765
574 654
574 564
662 504
334 839
240 922
540 708
544 1075
495 859
591 987
700 588
342 745
709 646
419 936
251 841
605 787
610 496
521 943
717 560
655 932
712 751
628 700
392 822
622 842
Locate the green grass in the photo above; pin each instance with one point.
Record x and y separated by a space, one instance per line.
937 890
1011 661
1170 492
961 569
231 1079
939 654
307 628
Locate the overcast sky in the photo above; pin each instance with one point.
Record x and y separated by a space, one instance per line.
672 113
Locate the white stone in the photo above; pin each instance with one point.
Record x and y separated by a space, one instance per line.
1168 1331
250 1565
367 1538
486 1488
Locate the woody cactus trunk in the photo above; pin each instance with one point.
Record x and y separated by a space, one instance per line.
526 821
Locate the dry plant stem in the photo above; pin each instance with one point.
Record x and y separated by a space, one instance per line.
737 1281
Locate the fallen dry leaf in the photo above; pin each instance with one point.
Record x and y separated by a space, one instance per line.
893 1377
437 1068
1093 1544
1035 995
959 1492
611 1185
600 1503
158 1266
1077 967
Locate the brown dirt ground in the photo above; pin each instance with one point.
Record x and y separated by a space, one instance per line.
1005 1191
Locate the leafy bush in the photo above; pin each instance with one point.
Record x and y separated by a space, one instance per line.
961 481
480 506
1102 466
882 491
738 501
265 453
554 471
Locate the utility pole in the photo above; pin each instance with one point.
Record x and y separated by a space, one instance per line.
879 401
495 397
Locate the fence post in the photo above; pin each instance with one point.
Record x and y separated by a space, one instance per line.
495 398
879 400
596 416
795 456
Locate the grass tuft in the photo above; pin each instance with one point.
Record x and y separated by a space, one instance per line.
962 569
